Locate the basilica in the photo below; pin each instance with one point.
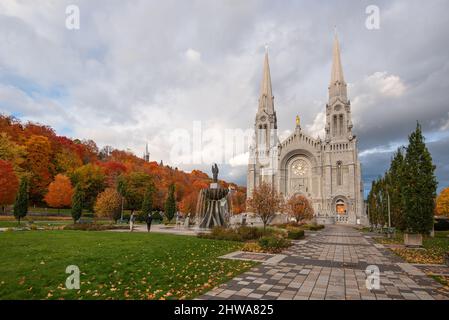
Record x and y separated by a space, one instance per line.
328 171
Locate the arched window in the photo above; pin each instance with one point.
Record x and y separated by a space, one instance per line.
340 126
334 126
339 174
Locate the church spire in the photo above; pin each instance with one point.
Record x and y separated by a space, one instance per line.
337 86
266 93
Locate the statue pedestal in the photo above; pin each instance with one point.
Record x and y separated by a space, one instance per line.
213 207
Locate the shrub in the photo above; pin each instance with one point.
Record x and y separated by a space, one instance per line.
249 233
242 233
273 244
295 233
252 247
157 216
313 227
168 222
289 224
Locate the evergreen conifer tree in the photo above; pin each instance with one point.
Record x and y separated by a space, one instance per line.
170 204
21 203
419 185
77 204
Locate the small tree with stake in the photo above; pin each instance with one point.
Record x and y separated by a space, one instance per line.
21 203
265 203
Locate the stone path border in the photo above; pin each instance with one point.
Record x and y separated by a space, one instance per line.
331 266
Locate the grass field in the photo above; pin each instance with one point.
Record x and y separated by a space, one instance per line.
434 248
113 265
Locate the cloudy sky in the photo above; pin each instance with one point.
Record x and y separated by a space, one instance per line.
155 71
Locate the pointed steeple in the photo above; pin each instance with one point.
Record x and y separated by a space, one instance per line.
337 86
266 93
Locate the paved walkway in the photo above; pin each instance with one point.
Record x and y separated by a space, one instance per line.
331 264
161 228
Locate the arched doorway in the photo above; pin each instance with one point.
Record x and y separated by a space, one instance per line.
340 207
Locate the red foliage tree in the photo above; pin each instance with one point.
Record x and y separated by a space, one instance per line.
9 184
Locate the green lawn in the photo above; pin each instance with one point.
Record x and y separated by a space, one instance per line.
434 248
113 265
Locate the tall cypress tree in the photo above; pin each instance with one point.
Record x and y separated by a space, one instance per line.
170 204
147 203
419 185
77 203
21 203
395 184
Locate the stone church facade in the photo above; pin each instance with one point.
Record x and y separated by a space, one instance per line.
327 172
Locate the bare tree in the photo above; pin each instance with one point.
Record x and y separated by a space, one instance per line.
300 208
265 203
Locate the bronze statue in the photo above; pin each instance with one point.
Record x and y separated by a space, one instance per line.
215 172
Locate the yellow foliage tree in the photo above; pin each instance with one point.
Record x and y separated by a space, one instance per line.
442 207
108 204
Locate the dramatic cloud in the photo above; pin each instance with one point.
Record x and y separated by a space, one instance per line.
149 71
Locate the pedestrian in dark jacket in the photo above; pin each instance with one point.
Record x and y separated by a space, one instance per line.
149 220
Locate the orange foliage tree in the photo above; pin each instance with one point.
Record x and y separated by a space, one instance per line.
299 207
265 202
442 207
59 193
9 184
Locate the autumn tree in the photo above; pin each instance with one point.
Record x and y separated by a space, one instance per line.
108 204
91 180
265 202
147 204
170 203
9 184
60 192
419 185
38 158
132 187
77 204
188 203
443 203
21 203
299 207
13 153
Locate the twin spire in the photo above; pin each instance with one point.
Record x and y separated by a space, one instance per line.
266 100
337 86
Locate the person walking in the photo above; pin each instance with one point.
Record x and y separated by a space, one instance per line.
131 222
149 220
